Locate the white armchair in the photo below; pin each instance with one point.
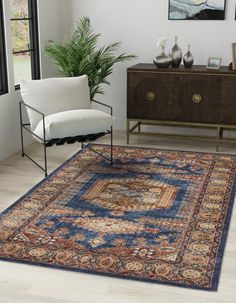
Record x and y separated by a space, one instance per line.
59 111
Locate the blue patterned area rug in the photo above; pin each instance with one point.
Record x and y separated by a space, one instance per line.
156 215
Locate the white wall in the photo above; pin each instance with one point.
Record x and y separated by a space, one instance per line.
139 24
50 27
66 11
54 23
8 113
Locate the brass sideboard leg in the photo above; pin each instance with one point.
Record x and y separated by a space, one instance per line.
127 132
139 126
218 137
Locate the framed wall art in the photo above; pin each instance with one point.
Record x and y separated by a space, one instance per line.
197 9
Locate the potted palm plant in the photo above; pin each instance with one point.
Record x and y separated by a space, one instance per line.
78 54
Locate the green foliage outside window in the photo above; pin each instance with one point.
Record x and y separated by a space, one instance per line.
19 28
20 35
18 8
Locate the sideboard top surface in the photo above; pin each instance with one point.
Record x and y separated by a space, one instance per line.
196 69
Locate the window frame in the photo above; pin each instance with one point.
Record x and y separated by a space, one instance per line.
34 40
3 58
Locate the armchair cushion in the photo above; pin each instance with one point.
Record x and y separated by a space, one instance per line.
55 95
74 123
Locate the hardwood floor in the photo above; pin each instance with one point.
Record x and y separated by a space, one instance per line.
31 284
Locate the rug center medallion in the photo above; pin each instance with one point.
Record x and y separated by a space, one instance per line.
131 194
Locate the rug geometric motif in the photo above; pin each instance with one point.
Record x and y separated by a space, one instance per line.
131 194
156 215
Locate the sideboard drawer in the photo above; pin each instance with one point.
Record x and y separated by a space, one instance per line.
150 96
197 98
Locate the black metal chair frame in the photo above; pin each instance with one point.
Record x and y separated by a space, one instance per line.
60 141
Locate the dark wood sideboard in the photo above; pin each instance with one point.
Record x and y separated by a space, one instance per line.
181 97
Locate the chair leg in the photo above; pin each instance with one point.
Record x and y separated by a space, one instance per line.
45 149
111 146
45 160
21 132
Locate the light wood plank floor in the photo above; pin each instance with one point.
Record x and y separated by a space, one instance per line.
31 284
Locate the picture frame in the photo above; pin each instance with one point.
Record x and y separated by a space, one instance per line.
182 10
214 63
234 56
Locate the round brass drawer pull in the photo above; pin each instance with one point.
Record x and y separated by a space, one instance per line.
197 98
151 96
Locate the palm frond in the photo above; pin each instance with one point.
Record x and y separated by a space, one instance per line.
78 54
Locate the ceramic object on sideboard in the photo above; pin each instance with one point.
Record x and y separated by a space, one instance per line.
176 54
163 60
188 58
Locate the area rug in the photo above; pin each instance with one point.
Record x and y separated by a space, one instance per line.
156 216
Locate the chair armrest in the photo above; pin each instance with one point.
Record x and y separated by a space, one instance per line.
31 107
103 104
23 125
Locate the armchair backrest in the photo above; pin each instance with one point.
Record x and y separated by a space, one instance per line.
55 95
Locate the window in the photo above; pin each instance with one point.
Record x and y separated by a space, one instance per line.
24 29
3 65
